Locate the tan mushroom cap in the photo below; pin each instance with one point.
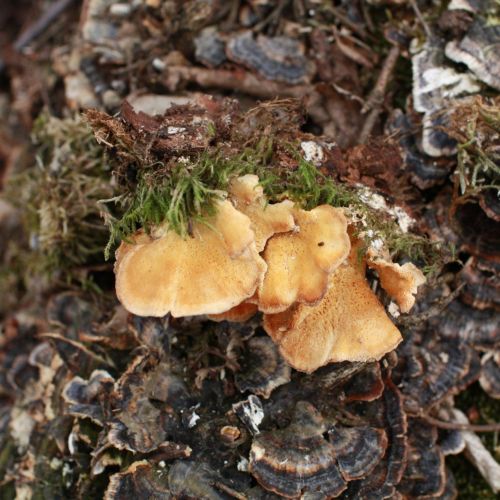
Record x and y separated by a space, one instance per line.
400 282
239 314
248 197
349 324
209 273
300 262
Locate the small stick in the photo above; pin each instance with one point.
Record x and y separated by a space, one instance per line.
240 80
367 17
230 22
377 95
421 18
457 426
345 20
230 491
375 100
274 16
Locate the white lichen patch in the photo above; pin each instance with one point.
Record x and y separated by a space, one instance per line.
462 5
56 463
23 492
158 64
175 130
120 9
193 419
377 244
21 426
405 222
444 357
67 473
393 310
73 443
251 414
313 152
242 465
378 202
255 415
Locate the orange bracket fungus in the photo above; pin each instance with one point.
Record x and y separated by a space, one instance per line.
300 262
349 324
215 269
400 282
238 314
267 219
295 266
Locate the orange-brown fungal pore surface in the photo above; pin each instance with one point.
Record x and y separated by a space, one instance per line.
215 269
349 324
239 314
248 197
400 282
300 262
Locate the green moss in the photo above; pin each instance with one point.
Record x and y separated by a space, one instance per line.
470 483
185 192
477 160
59 197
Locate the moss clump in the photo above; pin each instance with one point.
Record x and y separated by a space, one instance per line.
476 127
185 191
309 187
59 197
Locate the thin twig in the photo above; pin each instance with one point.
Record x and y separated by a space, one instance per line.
273 17
347 22
226 489
367 17
240 80
421 18
347 93
430 312
376 98
232 8
461 427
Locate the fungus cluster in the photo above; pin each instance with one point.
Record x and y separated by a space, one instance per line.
297 267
